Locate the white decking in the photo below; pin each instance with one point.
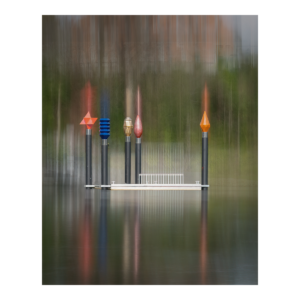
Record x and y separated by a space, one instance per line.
124 187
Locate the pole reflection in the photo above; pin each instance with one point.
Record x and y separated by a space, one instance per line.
136 238
131 241
85 242
102 241
203 237
126 245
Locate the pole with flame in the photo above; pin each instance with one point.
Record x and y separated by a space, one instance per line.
89 122
127 126
204 126
138 131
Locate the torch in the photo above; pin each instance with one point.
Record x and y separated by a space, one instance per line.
127 126
104 134
89 122
138 131
204 126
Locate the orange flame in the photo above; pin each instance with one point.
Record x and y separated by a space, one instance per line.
205 100
204 124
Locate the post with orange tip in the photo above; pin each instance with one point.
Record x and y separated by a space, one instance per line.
138 131
88 121
204 124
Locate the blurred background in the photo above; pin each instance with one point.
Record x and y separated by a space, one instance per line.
171 59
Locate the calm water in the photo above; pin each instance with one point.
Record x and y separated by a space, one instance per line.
149 237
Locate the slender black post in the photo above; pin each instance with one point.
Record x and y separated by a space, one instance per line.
127 159
104 163
204 180
138 157
127 126
88 151
88 121
104 133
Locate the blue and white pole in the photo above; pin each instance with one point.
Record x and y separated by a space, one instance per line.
104 134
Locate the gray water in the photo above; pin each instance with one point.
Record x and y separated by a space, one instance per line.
149 237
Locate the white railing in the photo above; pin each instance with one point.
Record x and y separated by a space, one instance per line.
161 178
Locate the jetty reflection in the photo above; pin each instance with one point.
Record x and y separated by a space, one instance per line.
203 237
102 235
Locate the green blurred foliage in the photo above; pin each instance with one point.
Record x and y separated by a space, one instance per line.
171 103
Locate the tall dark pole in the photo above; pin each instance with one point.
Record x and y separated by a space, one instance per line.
138 131
138 159
204 126
127 159
104 134
204 158
127 126
88 121
88 151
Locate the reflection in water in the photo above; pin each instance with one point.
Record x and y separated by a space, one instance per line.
131 239
85 243
102 240
148 237
203 236
136 238
126 244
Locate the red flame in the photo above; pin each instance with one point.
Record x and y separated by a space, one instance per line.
87 94
138 128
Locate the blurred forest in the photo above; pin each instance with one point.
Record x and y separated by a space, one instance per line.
171 59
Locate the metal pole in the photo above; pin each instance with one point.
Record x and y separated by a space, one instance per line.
104 163
127 126
104 134
205 125
204 159
138 158
127 159
88 121
88 162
